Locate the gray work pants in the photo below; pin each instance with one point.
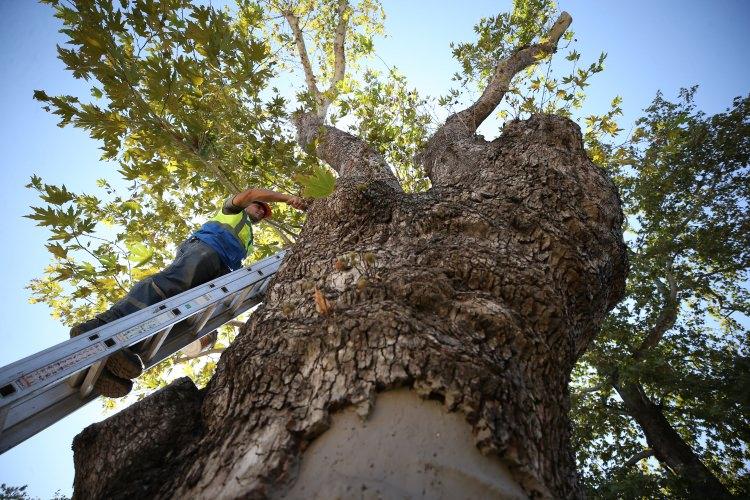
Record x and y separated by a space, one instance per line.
195 263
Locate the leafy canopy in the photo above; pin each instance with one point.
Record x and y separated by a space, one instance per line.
180 102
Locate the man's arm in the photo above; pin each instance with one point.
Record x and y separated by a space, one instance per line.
245 198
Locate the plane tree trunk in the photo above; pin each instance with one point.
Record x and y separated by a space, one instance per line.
481 293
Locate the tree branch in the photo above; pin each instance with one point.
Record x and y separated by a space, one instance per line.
323 100
467 121
176 138
83 247
279 229
180 142
648 452
339 63
181 359
312 84
349 155
666 319
594 388
672 451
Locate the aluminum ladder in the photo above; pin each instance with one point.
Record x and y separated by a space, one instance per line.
39 390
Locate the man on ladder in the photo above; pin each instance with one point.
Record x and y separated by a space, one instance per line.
217 248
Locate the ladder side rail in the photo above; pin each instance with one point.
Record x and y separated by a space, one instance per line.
102 343
72 345
32 359
66 401
109 340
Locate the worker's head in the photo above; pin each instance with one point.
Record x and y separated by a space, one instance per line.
258 211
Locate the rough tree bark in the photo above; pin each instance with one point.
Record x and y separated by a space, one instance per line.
480 293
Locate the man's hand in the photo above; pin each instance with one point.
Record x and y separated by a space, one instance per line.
245 198
297 202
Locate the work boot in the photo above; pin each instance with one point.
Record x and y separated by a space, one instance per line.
111 385
204 343
84 327
124 363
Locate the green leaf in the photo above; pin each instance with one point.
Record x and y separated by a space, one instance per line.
57 195
130 206
139 253
57 250
41 95
35 182
573 56
319 184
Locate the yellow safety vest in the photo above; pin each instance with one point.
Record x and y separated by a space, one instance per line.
237 224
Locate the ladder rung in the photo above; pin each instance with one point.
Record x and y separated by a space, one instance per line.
240 297
155 343
92 375
203 318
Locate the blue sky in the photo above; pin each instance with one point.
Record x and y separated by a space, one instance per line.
651 45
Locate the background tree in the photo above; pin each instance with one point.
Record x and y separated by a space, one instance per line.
8 492
665 378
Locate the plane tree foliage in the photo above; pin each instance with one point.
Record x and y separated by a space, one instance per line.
8 492
192 102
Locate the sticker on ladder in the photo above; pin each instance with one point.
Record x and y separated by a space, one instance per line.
131 332
203 299
53 369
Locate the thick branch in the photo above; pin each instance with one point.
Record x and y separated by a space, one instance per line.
669 448
207 352
467 121
347 154
338 44
284 238
666 319
299 40
594 388
344 152
638 457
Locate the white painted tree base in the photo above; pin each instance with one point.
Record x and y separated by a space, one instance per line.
407 448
